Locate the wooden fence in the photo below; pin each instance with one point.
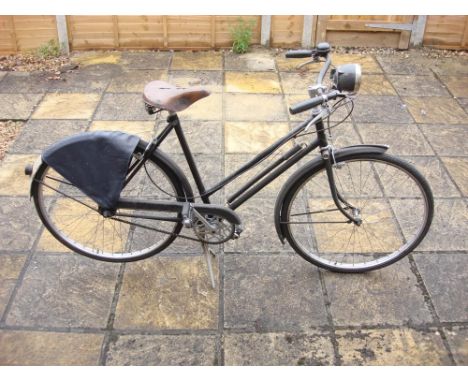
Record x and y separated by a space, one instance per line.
23 33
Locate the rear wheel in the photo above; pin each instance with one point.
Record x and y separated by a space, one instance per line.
74 220
391 197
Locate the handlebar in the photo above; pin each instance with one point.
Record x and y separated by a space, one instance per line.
302 53
322 50
312 102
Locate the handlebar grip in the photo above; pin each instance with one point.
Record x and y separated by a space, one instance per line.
312 102
301 53
306 105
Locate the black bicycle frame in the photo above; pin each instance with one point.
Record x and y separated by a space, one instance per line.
256 183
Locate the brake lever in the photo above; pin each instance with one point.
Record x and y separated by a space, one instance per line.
311 61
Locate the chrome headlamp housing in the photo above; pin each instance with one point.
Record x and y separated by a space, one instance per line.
347 78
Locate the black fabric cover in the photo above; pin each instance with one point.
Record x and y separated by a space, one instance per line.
94 162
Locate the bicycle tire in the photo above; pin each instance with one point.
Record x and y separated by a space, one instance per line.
323 254
46 213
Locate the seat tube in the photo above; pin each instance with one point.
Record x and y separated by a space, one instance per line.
173 118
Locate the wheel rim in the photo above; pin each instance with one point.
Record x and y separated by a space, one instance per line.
384 198
73 219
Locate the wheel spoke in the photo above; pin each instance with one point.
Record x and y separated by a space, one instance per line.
377 240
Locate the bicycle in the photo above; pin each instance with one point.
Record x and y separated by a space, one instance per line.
341 211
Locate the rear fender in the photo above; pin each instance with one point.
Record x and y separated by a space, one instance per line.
160 158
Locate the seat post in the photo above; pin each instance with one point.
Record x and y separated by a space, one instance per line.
174 119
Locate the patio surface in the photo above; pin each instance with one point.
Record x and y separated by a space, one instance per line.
270 307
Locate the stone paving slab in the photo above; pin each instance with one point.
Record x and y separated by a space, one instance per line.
143 129
444 275
391 347
433 170
435 110
24 82
166 293
250 62
146 60
450 66
252 137
270 306
162 350
67 106
252 82
420 86
29 348
37 135
380 108
458 168
457 337
254 107
187 60
278 349
464 103
10 268
211 80
19 223
134 81
203 137
122 107
388 296
18 106
403 139
12 166
448 228
293 83
368 63
81 81
457 85
207 109
73 292
447 139
404 65
272 293
376 84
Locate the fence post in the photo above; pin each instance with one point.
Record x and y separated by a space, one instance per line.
417 33
265 31
62 33
307 31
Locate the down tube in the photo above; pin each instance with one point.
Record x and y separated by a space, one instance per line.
263 183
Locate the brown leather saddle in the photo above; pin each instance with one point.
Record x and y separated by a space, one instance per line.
163 95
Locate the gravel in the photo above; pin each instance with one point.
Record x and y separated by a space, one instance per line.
8 132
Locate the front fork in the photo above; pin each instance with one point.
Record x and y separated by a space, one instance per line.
329 159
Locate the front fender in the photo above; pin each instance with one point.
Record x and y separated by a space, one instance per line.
311 167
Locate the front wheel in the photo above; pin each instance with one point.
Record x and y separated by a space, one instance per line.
391 197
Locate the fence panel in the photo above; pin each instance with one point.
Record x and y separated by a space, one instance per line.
286 31
24 33
448 32
352 31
